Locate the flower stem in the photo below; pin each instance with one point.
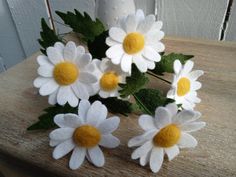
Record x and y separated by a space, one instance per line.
154 75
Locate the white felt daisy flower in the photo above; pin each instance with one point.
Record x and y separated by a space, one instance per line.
185 85
84 133
64 74
136 40
165 134
109 77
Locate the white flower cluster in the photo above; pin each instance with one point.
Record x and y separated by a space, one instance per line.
68 74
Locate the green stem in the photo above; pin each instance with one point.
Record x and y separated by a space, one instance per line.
141 104
154 75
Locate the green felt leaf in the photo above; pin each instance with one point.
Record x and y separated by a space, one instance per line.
134 83
149 99
115 105
46 120
48 37
98 46
167 61
82 24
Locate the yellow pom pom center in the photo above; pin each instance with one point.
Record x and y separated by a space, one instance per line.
133 43
86 136
183 86
109 81
65 73
167 136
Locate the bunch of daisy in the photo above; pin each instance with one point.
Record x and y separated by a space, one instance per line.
70 76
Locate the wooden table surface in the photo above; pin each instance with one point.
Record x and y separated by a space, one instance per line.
20 105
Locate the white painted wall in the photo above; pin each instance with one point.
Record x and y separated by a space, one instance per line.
20 21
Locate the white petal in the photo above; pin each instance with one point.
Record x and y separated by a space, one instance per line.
43 60
52 99
193 126
104 94
45 70
96 113
87 78
67 120
72 99
158 46
196 85
48 88
150 64
126 63
109 141
177 66
194 75
145 159
157 25
172 108
139 140
62 96
80 90
70 51
151 54
142 150
61 133
188 66
77 158
162 117
171 93
83 60
96 156
60 46
84 106
146 122
141 63
146 25
154 36
183 117
187 141
63 149
130 24
115 53
139 15
156 159
54 55
111 42
172 152
54 143
80 50
109 125
117 34
39 81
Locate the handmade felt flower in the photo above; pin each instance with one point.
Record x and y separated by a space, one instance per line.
84 133
64 74
165 134
136 40
109 77
185 85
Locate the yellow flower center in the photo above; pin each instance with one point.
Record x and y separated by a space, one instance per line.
86 136
65 73
183 86
133 43
167 136
109 81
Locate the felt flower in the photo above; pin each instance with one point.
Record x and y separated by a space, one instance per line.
109 77
136 40
165 134
84 133
64 74
185 85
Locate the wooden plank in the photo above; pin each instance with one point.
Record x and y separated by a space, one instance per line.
231 27
202 18
10 46
81 5
148 6
27 15
20 105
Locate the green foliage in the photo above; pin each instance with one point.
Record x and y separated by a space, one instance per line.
46 120
167 61
48 36
134 83
115 105
82 24
149 99
98 47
